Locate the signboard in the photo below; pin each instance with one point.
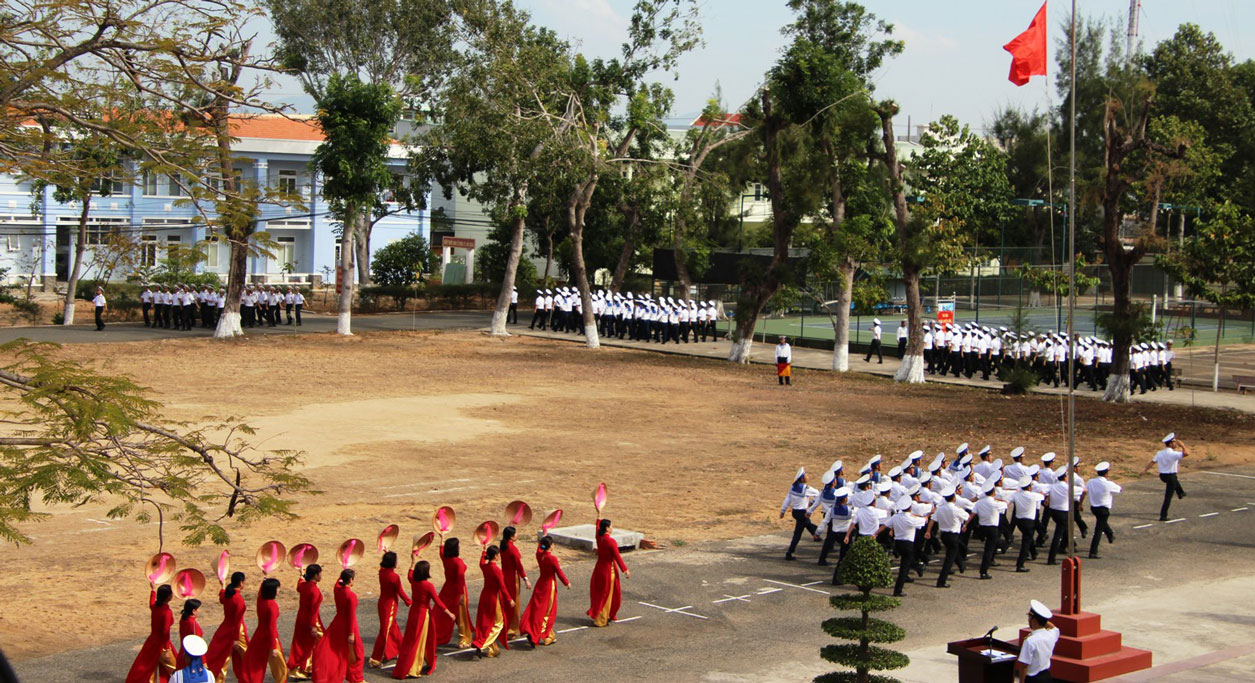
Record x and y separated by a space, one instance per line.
945 312
458 242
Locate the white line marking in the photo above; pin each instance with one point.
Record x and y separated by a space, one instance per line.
621 621
1143 526
1174 521
98 521
1233 510
768 591
812 583
1210 514
423 483
576 628
793 585
677 610
1229 474
729 598
423 493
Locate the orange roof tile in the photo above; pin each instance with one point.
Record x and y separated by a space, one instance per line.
725 120
275 127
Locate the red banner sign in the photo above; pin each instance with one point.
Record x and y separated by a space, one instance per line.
458 242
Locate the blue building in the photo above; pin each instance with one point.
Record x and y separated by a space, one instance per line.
37 233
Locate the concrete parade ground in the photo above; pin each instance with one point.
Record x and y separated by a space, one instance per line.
423 410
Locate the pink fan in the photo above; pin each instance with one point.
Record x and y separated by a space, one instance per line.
421 543
270 555
443 520
387 536
599 496
160 568
224 566
350 552
188 583
551 520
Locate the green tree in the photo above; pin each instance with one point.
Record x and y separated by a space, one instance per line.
400 263
866 567
76 436
1217 263
357 120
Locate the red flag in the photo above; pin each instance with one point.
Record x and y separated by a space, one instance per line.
1028 50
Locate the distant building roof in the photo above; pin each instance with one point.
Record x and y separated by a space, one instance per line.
276 127
725 120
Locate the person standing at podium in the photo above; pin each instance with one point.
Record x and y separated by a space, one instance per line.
1033 665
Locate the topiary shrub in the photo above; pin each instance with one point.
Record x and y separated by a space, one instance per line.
866 567
1017 380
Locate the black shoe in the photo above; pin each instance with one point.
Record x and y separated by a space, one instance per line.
816 537
1092 556
823 563
1051 563
1084 533
1163 519
789 557
1022 570
943 585
984 577
897 594
1181 495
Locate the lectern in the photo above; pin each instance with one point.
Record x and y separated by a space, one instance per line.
979 664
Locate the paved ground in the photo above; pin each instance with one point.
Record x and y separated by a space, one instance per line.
735 611
312 323
815 359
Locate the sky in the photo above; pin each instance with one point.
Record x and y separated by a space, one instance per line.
953 62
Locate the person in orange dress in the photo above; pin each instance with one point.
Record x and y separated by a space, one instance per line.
605 590
187 627
493 605
390 589
230 641
514 573
340 656
264 648
308 624
155 661
542 609
417 656
454 595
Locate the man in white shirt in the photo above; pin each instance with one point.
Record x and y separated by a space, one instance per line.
512 315
99 302
988 512
904 525
1057 501
875 347
784 361
952 521
1101 490
1168 460
1026 504
903 335
1033 664
146 303
836 525
798 501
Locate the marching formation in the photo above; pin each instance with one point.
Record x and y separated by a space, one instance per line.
970 348
930 514
180 307
638 317
334 652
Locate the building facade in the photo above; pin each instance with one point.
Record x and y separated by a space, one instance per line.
37 233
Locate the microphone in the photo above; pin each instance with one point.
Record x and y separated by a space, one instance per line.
990 633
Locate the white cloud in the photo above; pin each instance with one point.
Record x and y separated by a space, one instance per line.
590 24
919 41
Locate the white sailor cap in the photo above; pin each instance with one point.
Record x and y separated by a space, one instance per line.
1048 457
903 504
1170 438
866 478
895 472
837 466
963 472
1033 470
883 487
1017 452
989 485
997 463
875 459
913 490
842 492
985 451
1010 484
1039 610
1061 471
936 463
961 449
875 321
915 456
1102 466
1076 460
966 459
947 491
1026 481
925 478
865 469
801 472
828 477
1002 328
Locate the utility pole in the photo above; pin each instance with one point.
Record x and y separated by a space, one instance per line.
1135 11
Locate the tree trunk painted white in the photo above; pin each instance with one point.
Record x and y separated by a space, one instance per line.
841 357
80 248
911 371
362 245
841 329
228 325
740 352
1118 388
1215 374
502 311
344 318
591 338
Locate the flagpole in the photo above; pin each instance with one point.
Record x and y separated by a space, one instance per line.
1071 473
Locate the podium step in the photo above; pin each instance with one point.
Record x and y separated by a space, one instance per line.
1084 647
1123 661
1079 624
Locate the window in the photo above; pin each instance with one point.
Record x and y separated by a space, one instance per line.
109 185
288 182
286 253
98 229
150 184
148 250
12 243
213 251
174 189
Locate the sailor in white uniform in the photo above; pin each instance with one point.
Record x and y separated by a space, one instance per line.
798 501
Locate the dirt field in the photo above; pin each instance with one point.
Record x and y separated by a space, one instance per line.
395 424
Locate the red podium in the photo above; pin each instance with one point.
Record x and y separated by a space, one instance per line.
1085 652
977 666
